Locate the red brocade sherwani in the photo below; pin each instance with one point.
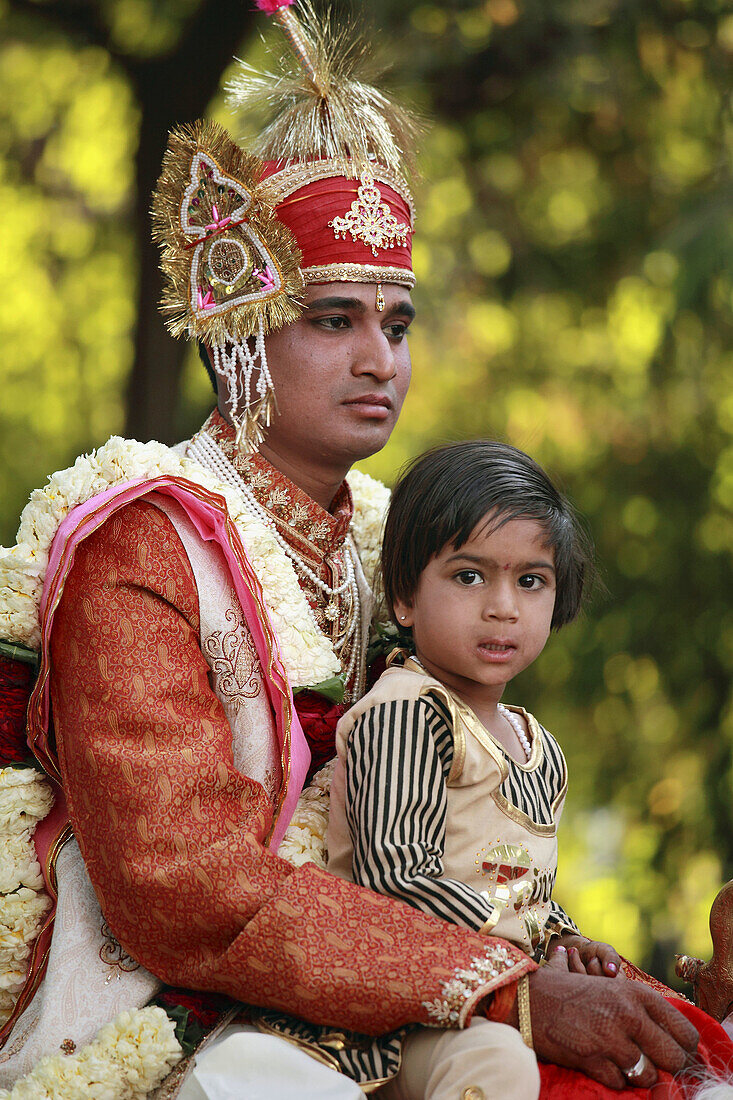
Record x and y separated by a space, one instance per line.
172 834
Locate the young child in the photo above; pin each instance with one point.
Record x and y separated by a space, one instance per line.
443 796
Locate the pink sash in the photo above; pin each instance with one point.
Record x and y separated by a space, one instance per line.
208 514
207 511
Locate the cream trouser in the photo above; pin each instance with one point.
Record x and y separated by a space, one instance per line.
486 1061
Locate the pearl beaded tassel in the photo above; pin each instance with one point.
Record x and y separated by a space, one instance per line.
209 454
518 728
238 365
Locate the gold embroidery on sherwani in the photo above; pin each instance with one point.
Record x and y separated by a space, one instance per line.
234 662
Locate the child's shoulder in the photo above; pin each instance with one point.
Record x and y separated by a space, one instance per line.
401 683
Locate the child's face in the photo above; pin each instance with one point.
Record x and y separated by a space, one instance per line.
481 614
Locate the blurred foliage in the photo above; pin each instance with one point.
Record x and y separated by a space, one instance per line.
575 298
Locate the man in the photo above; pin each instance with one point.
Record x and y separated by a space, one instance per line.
175 739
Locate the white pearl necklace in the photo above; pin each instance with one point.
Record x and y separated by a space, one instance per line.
207 452
518 727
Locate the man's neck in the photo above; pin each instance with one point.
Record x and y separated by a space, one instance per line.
321 484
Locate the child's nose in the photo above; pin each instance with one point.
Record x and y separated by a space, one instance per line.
502 603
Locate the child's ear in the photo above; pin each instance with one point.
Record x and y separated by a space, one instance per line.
403 613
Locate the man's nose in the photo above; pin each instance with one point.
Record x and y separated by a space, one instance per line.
375 356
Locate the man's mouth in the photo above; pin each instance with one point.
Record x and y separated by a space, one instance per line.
371 404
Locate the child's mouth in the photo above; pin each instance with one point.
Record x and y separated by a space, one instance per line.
496 651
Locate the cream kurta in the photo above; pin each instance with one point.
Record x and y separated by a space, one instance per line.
474 840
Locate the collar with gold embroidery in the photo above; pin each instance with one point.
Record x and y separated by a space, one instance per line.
301 520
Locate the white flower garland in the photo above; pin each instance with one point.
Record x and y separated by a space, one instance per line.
25 798
305 836
126 1061
308 656
131 1056
371 500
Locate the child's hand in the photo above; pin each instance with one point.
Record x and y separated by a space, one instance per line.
589 956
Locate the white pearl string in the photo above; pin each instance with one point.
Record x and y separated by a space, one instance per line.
516 723
228 473
209 454
237 366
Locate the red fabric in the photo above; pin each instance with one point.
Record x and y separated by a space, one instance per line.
375 670
308 211
714 1053
16 683
501 1004
172 834
319 718
205 1008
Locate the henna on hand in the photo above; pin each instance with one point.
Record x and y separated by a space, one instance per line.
601 1028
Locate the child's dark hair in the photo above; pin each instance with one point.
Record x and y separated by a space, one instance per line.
444 494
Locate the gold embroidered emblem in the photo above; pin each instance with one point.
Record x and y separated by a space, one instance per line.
113 954
512 885
234 661
370 220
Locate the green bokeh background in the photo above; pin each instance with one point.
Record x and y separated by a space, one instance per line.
575 297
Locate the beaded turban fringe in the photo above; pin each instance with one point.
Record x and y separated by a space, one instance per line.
321 198
231 268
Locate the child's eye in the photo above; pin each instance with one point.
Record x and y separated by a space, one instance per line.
468 577
530 581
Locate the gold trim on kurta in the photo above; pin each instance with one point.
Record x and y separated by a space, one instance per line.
521 819
462 715
313 1050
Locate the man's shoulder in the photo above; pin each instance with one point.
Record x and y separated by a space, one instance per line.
138 527
138 546
398 684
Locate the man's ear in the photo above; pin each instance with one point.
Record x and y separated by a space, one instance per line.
404 613
208 361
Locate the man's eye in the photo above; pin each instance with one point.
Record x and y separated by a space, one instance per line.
333 323
531 580
468 577
396 331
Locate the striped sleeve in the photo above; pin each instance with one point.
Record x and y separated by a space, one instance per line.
398 758
558 920
557 772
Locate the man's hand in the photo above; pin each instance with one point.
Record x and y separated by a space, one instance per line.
589 956
602 1028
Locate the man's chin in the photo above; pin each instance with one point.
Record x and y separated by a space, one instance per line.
367 441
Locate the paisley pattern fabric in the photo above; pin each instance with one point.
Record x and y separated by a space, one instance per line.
171 832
